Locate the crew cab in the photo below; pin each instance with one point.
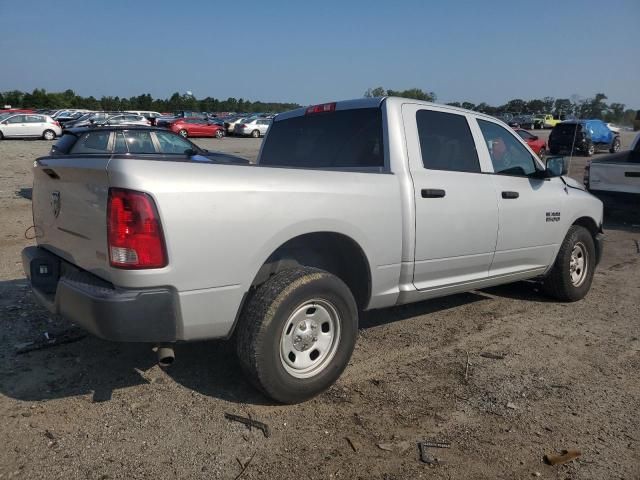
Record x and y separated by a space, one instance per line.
352 205
615 173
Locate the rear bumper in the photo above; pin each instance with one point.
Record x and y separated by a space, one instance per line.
125 315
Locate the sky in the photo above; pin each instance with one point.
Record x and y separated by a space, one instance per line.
310 52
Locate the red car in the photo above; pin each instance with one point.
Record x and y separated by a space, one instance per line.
536 144
196 127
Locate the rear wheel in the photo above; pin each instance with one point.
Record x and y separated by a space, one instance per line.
615 146
49 135
572 273
255 134
183 133
591 149
297 333
219 133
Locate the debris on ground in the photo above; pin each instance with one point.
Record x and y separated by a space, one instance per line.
351 444
48 340
385 446
512 406
425 455
563 457
249 422
244 467
493 356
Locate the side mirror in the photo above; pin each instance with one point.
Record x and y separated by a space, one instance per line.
556 166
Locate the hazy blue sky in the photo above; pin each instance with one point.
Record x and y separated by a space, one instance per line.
315 51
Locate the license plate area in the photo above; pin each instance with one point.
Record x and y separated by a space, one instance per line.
45 273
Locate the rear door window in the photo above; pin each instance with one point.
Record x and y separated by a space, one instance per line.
92 142
339 139
446 142
139 141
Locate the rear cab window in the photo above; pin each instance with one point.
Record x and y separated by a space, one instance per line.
338 139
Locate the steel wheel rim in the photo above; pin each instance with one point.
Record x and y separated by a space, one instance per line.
310 338
578 264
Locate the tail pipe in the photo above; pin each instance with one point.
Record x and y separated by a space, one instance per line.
165 354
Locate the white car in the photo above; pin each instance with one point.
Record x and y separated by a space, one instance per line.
618 172
613 128
255 127
29 125
149 115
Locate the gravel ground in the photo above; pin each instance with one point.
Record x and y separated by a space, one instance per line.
541 377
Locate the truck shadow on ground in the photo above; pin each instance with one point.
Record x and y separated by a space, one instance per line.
98 368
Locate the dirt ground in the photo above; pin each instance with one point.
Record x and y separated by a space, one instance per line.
541 377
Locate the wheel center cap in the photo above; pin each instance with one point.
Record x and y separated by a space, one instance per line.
305 336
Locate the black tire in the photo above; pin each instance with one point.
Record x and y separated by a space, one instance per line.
542 153
49 135
271 309
183 133
590 150
559 282
219 133
1 136
615 145
255 134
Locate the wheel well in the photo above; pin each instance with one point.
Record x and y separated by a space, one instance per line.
589 224
333 252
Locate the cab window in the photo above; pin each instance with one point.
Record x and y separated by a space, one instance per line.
139 141
508 155
172 144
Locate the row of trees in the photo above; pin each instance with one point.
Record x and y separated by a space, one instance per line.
40 98
594 107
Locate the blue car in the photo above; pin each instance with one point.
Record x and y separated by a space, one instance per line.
583 136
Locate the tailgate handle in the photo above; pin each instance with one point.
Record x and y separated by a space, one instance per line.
433 193
510 194
51 173
632 174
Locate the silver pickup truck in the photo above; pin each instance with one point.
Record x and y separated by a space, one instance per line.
351 206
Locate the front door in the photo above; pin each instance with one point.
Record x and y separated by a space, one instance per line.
455 205
15 126
530 208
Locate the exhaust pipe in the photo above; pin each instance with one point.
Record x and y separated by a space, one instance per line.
165 354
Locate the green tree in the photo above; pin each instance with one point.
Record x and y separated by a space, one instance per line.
375 92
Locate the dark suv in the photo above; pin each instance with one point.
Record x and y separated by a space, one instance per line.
583 136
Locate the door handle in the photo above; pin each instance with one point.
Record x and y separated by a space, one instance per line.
510 194
433 193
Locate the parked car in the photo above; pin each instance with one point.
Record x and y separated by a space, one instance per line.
583 136
135 140
196 127
254 127
89 119
29 125
523 121
373 203
614 128
537 144
124 119
68 116
149 115
230 123
167 120
615 173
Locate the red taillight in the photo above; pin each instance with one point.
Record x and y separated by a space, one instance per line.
242 125
133 230
57 123
325 107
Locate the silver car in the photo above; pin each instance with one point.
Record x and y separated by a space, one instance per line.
126 119
256 127
29 125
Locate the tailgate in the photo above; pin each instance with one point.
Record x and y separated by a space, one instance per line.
615 177
70 210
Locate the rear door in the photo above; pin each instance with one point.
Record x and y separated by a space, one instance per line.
455 203
34 125
530 209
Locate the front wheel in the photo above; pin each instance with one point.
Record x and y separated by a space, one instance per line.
219 133
297 333
572 273
591 149
49 135
183 133
615 146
